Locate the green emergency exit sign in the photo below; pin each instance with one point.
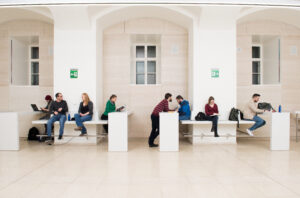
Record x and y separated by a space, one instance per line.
215 73
73 73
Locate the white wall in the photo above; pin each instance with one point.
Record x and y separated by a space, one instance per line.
74 49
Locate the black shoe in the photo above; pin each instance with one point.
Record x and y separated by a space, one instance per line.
60 137
153 145
217 135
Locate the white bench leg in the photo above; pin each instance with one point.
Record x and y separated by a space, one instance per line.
202 134
73 136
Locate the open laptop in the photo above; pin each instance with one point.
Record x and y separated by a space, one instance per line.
35 108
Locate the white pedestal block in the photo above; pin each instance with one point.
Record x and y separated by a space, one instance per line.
118 131
169 133
280 131
9 134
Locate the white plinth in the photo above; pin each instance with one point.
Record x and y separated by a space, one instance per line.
168 132
9 133
280 131
118 131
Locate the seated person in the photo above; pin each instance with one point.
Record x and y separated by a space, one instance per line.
46 110
85 113
184 110
212 112
110 107
250 113
58 108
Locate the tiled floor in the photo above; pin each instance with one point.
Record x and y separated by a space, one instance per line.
248 169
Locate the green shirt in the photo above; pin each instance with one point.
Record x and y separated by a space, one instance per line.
110 107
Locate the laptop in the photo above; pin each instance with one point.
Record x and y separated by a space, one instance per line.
35 108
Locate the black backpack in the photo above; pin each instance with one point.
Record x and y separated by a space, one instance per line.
32 134
200 116
265 106
234 115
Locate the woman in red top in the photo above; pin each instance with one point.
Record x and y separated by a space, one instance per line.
212 112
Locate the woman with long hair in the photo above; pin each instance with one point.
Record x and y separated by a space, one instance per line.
85 113
212 113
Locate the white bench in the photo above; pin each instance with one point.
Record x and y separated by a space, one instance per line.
200 131
92 127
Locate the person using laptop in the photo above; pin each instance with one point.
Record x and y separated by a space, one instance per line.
110 107
85 113
184 109
46 109
58 108
212 114
250 113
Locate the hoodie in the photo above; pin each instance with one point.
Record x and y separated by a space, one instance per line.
184 109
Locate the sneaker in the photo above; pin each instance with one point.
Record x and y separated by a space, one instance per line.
83 134
60 137
217 135
78 129
250 133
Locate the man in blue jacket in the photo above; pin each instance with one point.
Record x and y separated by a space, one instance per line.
184 109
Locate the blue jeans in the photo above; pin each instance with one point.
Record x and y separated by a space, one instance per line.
184 117
59 117
80 119
258 123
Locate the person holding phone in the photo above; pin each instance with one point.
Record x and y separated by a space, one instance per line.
85 113
212 113
110 107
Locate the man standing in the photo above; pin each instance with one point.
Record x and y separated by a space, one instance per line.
184 110
250 113
58 108
163 106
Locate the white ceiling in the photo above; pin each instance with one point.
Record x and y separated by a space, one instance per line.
237 2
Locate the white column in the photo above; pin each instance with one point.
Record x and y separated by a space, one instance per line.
168 132
74 47
280 131
118 131
216 49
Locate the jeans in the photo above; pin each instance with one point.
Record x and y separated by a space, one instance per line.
184 117
59 117
155 129
214 120
105 126
80 119
258 123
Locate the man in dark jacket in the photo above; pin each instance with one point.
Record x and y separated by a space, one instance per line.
184 110
58 108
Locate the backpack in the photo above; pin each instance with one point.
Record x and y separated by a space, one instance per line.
265 106
200 116
32 134
236 115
